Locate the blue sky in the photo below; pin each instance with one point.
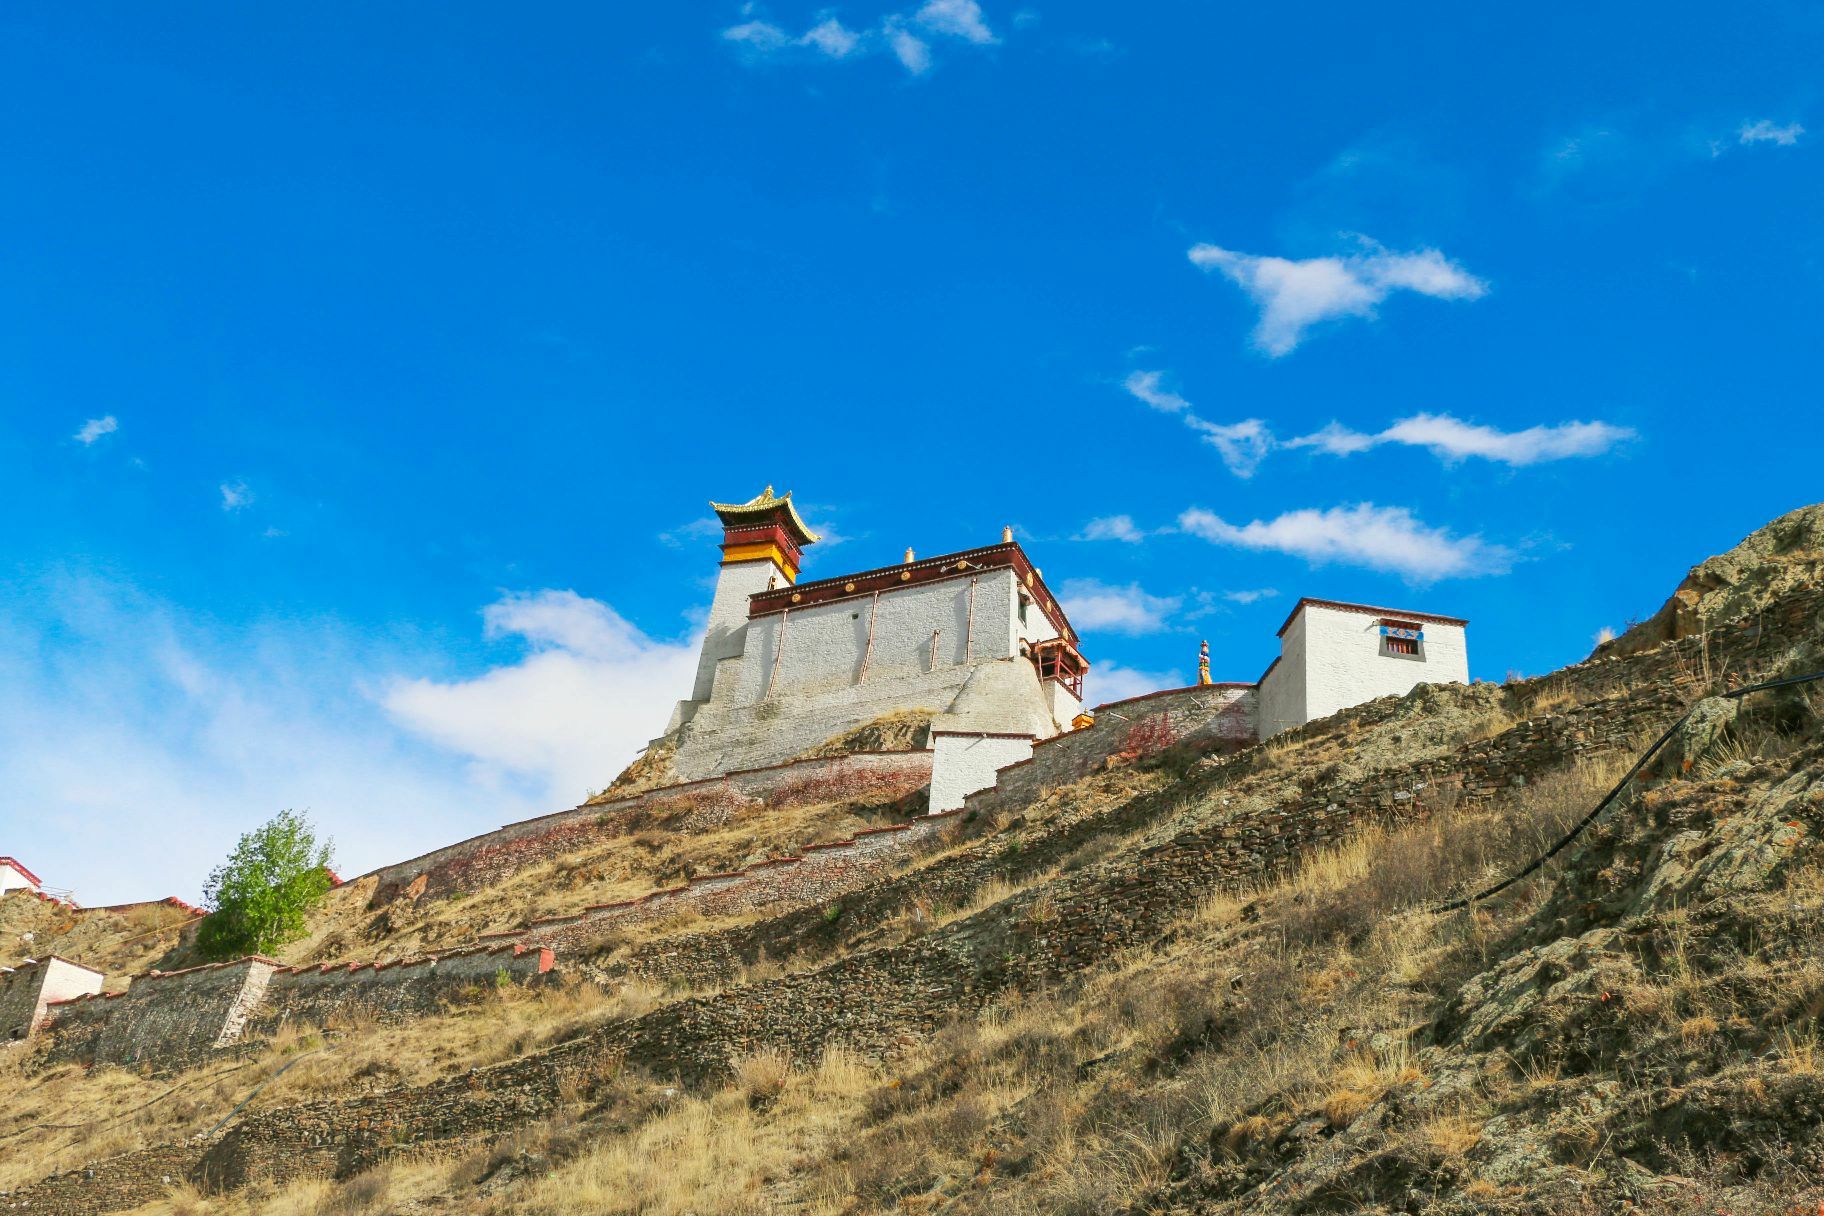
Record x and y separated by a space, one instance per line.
364 370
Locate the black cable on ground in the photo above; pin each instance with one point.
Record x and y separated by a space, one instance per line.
262 1085
1609 797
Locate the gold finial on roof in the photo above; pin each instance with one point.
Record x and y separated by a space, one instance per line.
1203 663
909 557
1007 534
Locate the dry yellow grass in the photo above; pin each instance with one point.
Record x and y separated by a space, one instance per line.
1451 1135
116 1110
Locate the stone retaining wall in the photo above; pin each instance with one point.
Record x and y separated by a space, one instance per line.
173 1020
168 1020
470 865
1221 715
315 996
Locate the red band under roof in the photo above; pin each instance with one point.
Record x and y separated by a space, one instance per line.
14 862
1005 556
1369 609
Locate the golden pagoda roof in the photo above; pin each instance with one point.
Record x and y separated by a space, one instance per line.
765 503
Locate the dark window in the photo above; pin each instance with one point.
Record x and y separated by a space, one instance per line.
1403 640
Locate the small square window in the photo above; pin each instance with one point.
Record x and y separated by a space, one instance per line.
1403 640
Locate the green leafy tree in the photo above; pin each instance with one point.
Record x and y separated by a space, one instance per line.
259 897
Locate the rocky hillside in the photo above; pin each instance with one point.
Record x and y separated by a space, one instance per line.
1188 982
1786 555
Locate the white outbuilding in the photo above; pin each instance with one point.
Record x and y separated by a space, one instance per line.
1334 654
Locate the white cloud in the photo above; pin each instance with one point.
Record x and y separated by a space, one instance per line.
1378 538
913 52
1113 527
1145 386
761 37
235 495
1242 445
956 18
1765 132
1108 682
568 715
1293 295
1336 439
1092 605
833 38
907 38
1451 439
144 739
1250 596
95 428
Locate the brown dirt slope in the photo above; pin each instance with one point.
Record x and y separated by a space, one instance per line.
120 943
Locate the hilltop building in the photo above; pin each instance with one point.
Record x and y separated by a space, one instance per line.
1334 654
976 641
974 638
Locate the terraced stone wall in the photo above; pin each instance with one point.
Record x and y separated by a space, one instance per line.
168 1020
866 778
173 1020
1222 715
316 996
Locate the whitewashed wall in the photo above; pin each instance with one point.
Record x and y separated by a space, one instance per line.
1331 658
796 678
727 630
1345 665
964 764
1281 703
824 644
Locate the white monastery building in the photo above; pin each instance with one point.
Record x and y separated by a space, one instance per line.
976 640
1333 655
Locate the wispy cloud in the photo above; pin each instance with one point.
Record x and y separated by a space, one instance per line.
167 733
1113 527
1295 294
692 533
906 37
1109 681
1095 605
569 713
1377 538
958 19
1765 131
1451 439
235 495
1242 445
95 428
1250 596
